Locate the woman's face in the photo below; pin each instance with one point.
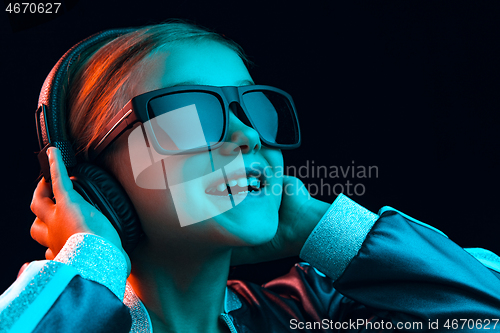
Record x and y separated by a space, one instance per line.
192 180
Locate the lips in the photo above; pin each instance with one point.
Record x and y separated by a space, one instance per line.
239 182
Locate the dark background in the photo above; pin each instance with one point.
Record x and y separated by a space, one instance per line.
411 87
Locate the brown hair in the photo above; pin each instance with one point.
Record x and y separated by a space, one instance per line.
100 83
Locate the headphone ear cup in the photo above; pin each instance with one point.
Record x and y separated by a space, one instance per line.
104 192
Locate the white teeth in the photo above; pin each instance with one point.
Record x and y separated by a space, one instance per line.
242 182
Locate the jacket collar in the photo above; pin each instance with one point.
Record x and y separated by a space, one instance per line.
141 322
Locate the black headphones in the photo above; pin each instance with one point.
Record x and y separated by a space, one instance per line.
94 184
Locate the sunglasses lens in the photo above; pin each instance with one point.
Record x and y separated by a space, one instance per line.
189 120
273 116
186 120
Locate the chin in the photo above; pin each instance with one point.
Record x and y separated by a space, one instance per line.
259 235
249 228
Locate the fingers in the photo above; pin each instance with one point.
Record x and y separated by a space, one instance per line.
49 255
40 232
42 204
291 180
61 184
43 189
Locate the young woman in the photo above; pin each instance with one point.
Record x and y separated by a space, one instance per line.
203 210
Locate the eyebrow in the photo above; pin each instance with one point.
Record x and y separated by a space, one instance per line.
194 83
246 83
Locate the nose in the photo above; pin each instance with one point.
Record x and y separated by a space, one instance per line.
244 137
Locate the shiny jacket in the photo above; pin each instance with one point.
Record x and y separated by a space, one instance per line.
364 272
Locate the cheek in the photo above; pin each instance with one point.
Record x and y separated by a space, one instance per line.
146 188
156 211
275 159
154 207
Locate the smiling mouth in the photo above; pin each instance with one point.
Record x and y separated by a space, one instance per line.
239 183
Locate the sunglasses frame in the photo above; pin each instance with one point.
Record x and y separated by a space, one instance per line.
136 110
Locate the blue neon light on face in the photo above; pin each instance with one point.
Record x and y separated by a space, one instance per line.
168 189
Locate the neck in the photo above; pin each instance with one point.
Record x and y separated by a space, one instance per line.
182 293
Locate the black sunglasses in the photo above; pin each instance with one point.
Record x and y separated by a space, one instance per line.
190 119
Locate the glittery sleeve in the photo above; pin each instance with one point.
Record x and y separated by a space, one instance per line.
141 322
97 260
29 298
338 236
396 269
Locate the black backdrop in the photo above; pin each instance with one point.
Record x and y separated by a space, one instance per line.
409 87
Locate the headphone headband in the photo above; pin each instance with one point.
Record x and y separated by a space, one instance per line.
50 115
94 184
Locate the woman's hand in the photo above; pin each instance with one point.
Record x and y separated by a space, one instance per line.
67 214
299 213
